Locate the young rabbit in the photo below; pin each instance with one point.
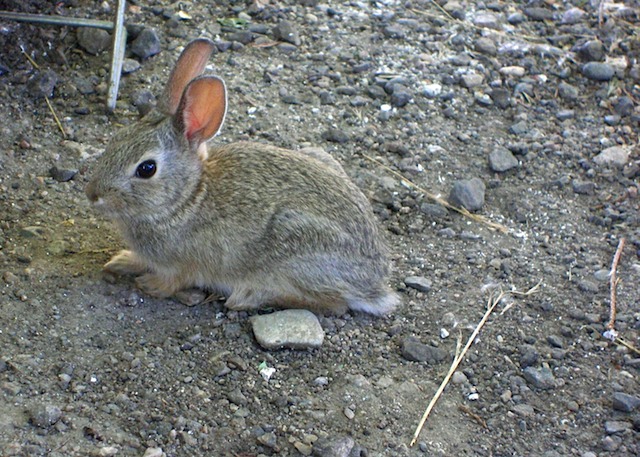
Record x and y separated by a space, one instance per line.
260 224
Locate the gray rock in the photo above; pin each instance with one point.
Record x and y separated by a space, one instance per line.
568 92
524 410
43 83
285 31
335 135
588 286
555 341
401 97
583 187
486 45
129 66
147 44
415 351
62 174
573 16
471 80
614 156
614 427
501 160
291 328
624 106
433 210
598 71
565 114
519 128
488 20
44 416
516 18
529 357
592 51
610 443
93 40
468 193
333 446
539 14
625 402
501 98
541 378
394 31
418 282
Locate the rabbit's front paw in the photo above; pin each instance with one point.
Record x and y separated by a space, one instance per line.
155 285
125 263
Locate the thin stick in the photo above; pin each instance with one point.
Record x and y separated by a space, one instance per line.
613 284
600 13
477 418
31 61
476 217
55 116
492 303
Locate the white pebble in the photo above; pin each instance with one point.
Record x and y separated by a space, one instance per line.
444 333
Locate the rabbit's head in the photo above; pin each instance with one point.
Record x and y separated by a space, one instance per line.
151 167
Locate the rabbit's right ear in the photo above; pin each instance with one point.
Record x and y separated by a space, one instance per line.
189 66
202 110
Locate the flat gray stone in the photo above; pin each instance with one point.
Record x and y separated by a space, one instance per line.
93 40
418 282
501 160
598 71
625 402
291 328
415 351
614 156
542 378
468 193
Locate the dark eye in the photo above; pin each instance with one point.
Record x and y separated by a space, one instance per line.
146 169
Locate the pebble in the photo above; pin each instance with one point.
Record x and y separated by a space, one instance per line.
459 378
108 451
624 106
583 187
153 452
468 193
541 378
93 40
129 66
333 446
592 51
62 174
432 90
501 160
488 20
613 156
573 16
335 135
501 98
598 71
524 410
613 427
625 402
539 14
44 416
588 286
147 43
291 328
415 351
43 83
471 80
285 31
555 341
529 357
418 282
610 444
519 128
568 92
515 71
602 275
433 210
486 45
401 97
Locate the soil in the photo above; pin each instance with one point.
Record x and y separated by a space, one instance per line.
91 366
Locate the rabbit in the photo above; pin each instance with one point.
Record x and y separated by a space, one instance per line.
259 224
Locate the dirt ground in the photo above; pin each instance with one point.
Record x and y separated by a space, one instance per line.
506 92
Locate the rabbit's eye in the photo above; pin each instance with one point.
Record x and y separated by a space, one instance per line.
146 169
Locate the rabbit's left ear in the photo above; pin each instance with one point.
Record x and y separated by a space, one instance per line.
189 66
202 109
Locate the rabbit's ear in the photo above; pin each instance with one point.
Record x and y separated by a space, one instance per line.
202 109
190 65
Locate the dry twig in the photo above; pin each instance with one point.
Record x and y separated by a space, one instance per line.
440 200
492 303
474 416
613 284
55 117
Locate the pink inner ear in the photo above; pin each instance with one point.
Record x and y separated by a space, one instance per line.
203 108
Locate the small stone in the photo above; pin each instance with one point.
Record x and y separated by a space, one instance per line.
394 31
501 160
501 98
516 18
418 282
333 446
147 44
302 448
33 231
614 156
62 174
269 440
624 106
285 31
93 40
514 71
468 193
568 92
598 71
486 45
335 135
291 328
529 357
592 51
487 20
539 14
415 351
44 416
401 97
433 210
610 444
565 114
524 410
153 452
432 90
583 187
613 427
471 80
108 451
588 286
348 413
625 402
459 378
555 341
573 16
129 66
519 128
43 83
541 378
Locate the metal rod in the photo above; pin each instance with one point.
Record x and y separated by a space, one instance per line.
117 54
56 20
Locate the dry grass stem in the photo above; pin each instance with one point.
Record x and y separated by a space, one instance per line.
31 61
475 217
474 416
625 343
613 284
55 117
493 301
